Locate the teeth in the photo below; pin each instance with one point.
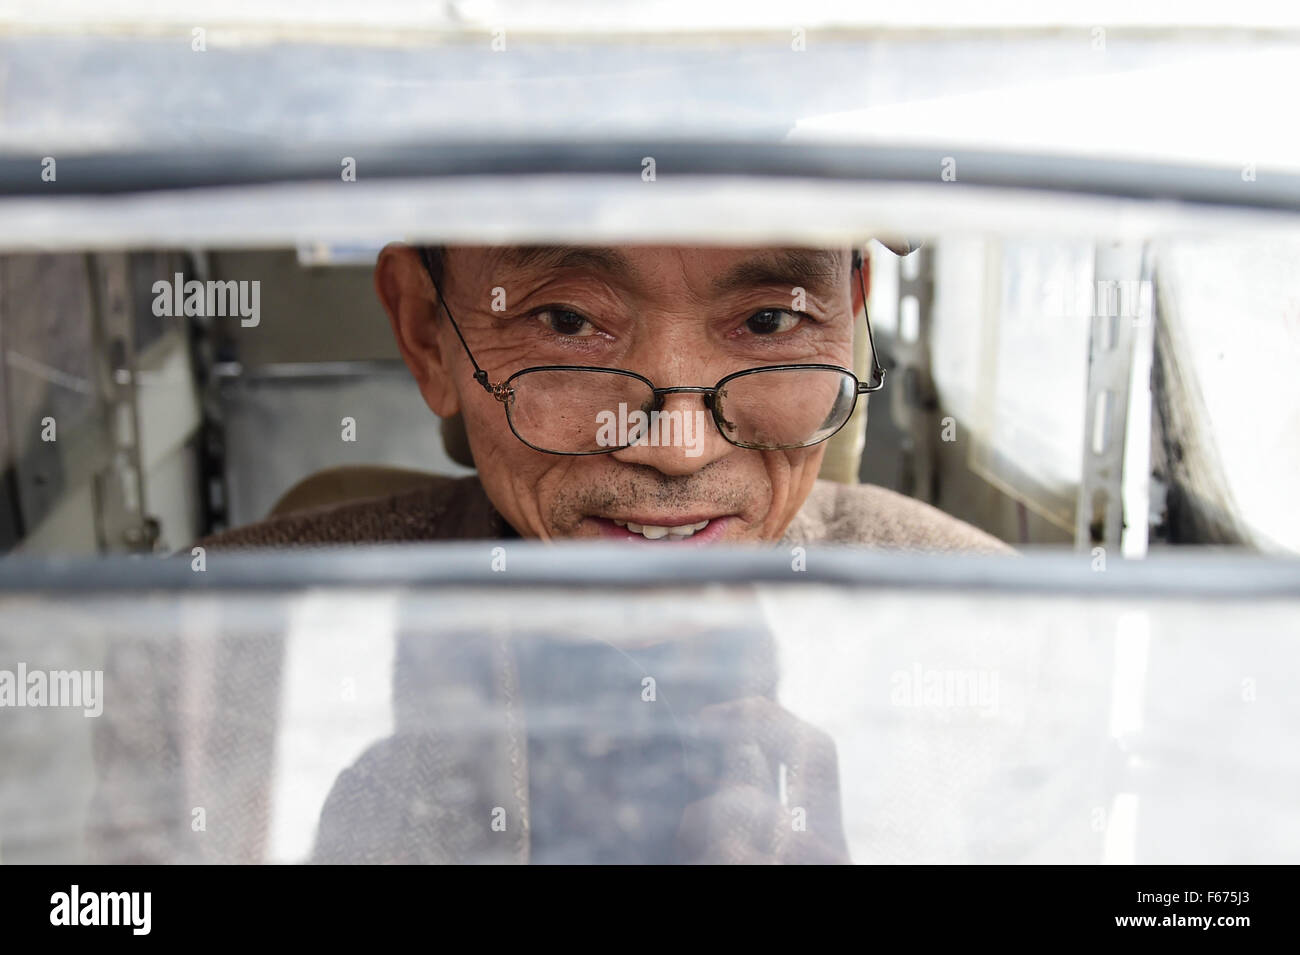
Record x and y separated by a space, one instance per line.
656 532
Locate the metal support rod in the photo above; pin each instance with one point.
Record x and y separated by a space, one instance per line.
119 489
1120 288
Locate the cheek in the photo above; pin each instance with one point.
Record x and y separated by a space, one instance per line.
486 425
520 481
791 475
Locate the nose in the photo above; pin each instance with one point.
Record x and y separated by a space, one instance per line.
680 438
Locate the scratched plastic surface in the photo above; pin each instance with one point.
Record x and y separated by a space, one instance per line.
726 722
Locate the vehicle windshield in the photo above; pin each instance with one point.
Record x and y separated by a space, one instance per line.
496 434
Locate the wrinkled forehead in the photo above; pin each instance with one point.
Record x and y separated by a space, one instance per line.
715 271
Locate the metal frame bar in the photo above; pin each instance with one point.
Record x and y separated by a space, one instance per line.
1113 343
586 566
149 172
119 488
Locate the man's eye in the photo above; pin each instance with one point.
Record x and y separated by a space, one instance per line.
772 321
564 322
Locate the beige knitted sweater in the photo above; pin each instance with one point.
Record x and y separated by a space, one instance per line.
459 509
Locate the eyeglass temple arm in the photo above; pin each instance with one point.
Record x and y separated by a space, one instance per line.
480 375
877 371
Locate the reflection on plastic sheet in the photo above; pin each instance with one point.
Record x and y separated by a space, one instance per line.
732 723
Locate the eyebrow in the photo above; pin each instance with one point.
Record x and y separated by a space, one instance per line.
547 257
817 269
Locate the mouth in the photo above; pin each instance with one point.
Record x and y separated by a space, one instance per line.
664 530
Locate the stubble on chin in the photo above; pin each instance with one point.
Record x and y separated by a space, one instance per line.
653 492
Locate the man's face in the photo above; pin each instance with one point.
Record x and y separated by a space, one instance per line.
679 317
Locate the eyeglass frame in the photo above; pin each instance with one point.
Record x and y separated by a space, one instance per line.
502 391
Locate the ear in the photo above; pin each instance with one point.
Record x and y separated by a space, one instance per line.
407 294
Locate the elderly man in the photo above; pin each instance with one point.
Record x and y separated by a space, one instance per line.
681 396
659 397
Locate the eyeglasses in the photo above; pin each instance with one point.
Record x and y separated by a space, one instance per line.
583 409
